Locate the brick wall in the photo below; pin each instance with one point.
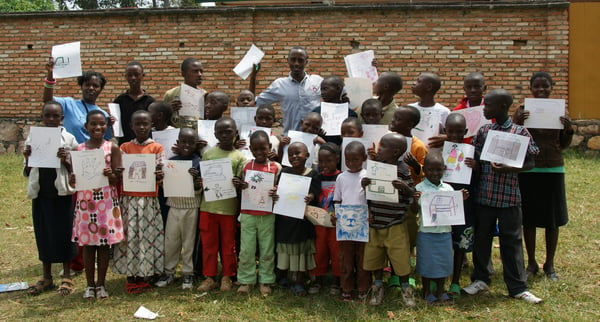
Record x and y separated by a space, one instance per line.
507 42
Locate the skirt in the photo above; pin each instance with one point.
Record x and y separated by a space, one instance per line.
52 224
434 255
544 201
297 257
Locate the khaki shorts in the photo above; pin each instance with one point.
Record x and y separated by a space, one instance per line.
391 244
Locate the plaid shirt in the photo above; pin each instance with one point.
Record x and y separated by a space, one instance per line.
496 189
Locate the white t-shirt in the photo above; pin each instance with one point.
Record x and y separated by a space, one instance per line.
348 189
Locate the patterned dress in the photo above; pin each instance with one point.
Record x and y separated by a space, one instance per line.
98 220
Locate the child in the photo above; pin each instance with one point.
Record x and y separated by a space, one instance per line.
371 111
499 199
257 225
133 99
434 244
332 89
351 128
52 206
388 232
349 191
140 255
245 99
326 245
217 218
474 87
182 221
215 105
386 86
265 117
98 208
404 120
425 88
295 237
161 114
192 71
311 123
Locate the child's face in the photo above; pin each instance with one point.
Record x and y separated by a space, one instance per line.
192 75
401 122
310 124
297 61
260 148
134 76
264 118
371 113
96 126
213 107
329 92
493 107
354 160
225 132
141 125
349 130
245 99
434 171
328 161
155 116
389 151
541 88
297 154
186 143
91 89
474 88
455 131
379 87
421 86
52 115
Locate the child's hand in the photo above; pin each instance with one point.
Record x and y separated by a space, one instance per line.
404 189
520 115
322 133
255 69
175 148
375 63
273 194
111 120
193 172
372 152
332 218
272 155
409 159
417 196
365 182
437 141
198 182
308 198
62 154
566 122
465 194
159 172
50 65
285 141
72 180
27 151
118 172
239 183
201 144
176 104
471 163
107 172
318 140
240 143
503 168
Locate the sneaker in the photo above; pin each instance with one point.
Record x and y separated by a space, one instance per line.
188 282
89 293
528 297
207 285
265 290
476 287
244 289
226 284
101 292
165 280
314 289
408 296
376 295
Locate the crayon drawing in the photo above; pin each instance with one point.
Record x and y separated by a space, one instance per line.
217 177
442 208
352 222
256 196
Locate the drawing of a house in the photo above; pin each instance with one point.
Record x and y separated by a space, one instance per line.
505 147
442 206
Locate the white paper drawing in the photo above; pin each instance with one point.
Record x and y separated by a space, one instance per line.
243 116
318 216
345 142
361 65
206 131
67 60
192 101
454 155
166 138
352 223
358 90
506 148
475 119
143 313
245 133
217 177
88 168
45 142
442 208
429 126
178 181
307 139
381 175
291 190
544 113
138 173
115 111
256 196
244 67
374 133
333 115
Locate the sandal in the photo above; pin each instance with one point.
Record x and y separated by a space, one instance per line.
444 299
132 288
66 287
41 286
89 293
431 299
299 290
454 290
101 292
551 275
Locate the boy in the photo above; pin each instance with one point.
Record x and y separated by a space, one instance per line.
310 124
425 88
371 111
133 99
245 99
215 105
404 120
217 218
191 70
388 232
386 86
499 199
161 114
474 87
180 232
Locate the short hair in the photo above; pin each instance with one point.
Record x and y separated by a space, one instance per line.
187 63
330 147
456 117
245 91
475 75
355 146
259 135
354 121
393 80
88 75
537 75
504 95
314 114
220 96
300 48
164 108
434 80
335 81
267 107
371 102
188 130
138 112
415 115
300 144
433 156
52 102
92 113
135 63
225 119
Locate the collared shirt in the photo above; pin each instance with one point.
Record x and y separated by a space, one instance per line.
428 186
496 189
75 113
129 105
296 98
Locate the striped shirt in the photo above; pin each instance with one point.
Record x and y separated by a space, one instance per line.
386 214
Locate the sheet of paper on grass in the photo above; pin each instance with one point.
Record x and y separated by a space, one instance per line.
291 191
115 111
243 116
206 131
506 148
178 181
192 101
428 127
143 313
244 67
138 173
16 286
352 223
318 216
358 90
345 142
475 119
256 196
442 208
333 115
544 113
454 155
307 139
67 60
88 167
361 65
45 142
245 133
166 138
217 177
381 175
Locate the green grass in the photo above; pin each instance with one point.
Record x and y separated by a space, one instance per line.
573 298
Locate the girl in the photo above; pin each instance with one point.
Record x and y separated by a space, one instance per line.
98 223
52 207
544 207
295 237
141 255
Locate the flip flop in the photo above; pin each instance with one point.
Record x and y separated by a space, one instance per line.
40 287
431 299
